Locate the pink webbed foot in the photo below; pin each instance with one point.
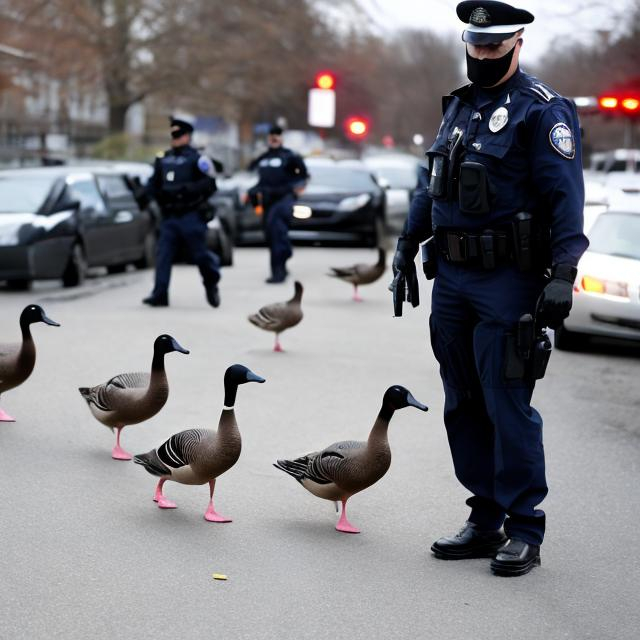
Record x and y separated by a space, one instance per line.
213 516
5 417
344 525
165 503
118 453
277 347
356 296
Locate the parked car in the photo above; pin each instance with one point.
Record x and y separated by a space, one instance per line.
398 174
606 299
343 203
56 222
219 230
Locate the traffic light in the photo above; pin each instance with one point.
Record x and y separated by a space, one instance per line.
356 128
325 80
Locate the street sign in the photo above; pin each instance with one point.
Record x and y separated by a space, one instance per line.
322 108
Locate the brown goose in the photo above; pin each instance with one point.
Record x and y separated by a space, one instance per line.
280 316
345 468
18 359
130 398
360 274
198 456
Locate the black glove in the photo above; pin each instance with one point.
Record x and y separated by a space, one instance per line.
405 280
557 296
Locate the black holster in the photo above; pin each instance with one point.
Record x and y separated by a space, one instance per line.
429 254
527 351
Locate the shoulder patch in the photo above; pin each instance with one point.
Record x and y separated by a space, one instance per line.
160 154
561 139
206 166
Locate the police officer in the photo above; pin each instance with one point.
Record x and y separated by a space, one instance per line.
182 182
501 209
282 177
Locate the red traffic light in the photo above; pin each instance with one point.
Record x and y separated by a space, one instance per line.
325 80
356 128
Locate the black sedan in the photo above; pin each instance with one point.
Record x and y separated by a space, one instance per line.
342 203
57 222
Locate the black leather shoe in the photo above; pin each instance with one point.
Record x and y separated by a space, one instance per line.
516 558
276 279
469 542
157 301
213 295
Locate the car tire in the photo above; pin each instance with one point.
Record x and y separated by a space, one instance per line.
226 247
566 340
19 285
76 270
148 258
116 268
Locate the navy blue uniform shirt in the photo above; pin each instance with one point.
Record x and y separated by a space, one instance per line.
280 171
528 138
182 180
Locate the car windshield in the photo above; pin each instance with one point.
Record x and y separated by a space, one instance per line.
616 234
23 194
341 179
399 177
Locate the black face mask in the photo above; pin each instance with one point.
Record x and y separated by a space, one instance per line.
487 73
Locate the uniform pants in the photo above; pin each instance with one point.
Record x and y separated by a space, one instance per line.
495 436
277 222
191 231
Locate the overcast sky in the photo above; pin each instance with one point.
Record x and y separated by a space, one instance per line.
554 18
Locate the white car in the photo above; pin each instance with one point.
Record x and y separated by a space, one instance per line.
606 298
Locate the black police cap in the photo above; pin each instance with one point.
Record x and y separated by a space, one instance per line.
180 127
275 130
489 21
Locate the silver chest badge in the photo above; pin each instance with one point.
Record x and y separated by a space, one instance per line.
499 119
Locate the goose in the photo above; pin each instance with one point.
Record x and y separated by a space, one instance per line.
345 468
18 359
130 398
199 456
280 316
360 274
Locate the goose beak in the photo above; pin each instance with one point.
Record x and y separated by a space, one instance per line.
177 347
414 403
252 377
48 320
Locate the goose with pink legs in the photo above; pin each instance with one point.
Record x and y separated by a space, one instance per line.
200 456
361 274
17 360
131 398
348 467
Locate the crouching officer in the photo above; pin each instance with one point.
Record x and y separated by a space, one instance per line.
282 177
182 182
501 209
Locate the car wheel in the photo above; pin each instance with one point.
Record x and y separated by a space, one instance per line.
76 269
566 340
148 258
19 285
226 246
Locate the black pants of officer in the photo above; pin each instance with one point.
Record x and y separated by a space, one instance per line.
277 221
191 231
494 434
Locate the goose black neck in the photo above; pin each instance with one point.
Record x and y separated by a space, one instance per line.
230 390
386 412
25 327
157 363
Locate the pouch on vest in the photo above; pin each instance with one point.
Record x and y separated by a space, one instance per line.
439 165
473 189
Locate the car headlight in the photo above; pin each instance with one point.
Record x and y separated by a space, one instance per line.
605 287
353 203
302 212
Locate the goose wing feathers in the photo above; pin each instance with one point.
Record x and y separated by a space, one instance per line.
180 449
102 395
270 316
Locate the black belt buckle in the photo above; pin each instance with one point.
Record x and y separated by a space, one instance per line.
457 247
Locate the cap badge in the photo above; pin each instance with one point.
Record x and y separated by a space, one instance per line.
499 119
480 17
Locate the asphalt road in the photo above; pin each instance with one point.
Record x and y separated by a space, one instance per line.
85 553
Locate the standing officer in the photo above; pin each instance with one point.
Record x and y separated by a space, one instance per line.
282 177
182 182
502 209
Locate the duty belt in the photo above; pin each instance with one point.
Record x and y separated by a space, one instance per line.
487 248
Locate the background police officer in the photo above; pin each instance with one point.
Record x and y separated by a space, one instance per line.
502 203
182 182
282 176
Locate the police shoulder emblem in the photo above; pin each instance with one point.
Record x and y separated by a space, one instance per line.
480 17
561 139
499 119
